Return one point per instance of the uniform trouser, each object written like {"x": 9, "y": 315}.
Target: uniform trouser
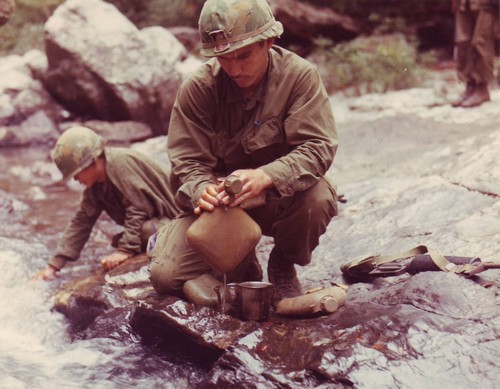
{"x": 150, "y": 227}
{"x": 295, "y": 223}
{"x": 475, "y": 34}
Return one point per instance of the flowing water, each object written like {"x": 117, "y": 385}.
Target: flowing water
{"x": 36, "y": 349}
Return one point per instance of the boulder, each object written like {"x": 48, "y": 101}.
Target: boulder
{"x": 304, "y": 22}
{"x": 188, "y": 36}
{"x": 28, "y": 113}
{"x": 101, "y": 66}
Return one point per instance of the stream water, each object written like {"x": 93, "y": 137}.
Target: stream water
{"x": 36, "y": 348}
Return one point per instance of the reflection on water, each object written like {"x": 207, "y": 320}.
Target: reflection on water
{"x": 35, "y": 348}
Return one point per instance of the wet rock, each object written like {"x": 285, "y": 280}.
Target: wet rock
{"x": 379, "y": 337}
{"x": 102, "y": 66}
{"x": 388, "y": 327}
{"x": 181, "y": 324}
{"x": 127, "y": 288}
{"x": 9, "y": 204}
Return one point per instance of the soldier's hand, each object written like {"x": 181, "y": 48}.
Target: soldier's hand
{"x": 255, "y": 182}
{"x": 114, "y": 259}
{"x": 46, "y": 274}
{"x": 208, "y": 199}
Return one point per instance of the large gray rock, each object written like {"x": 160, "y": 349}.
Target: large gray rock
{"x": 101, "y": 66}
{"x": 28, "y": 113}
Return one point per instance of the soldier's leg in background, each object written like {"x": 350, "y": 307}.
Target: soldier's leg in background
{"x": 482, "y": 58}
{"x": 483, "y": 44}
{"x": 464, "y": 29}
{"x": 151, "y": 227}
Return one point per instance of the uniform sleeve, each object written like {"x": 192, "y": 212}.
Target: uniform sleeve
{"x": 311, "y": 136}
{"x": 145, "y": 193}
{"x": 190, "y": 143}
{"x": 76, "y": 233}
{"x": 130, "y": 242}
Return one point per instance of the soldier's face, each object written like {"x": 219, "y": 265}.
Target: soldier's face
{"x": 248, "y": 65}
{"x": 90, "y": 175}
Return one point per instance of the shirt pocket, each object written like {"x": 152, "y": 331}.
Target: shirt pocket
{"x": 266, "y": 135}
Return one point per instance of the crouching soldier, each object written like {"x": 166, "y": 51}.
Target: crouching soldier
{"x": 132, "y": 188}
{"x": 261, "y": 113}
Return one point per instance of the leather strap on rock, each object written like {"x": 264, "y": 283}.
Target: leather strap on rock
{"x": 360, "y": 267}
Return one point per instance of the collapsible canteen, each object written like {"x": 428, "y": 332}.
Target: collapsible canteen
{"x": 316, "y": 302}
{"x": 251, "y": 299}
{"x": 226, "y": 235}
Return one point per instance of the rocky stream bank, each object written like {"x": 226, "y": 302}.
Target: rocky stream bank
{"x": 411, "y": 170}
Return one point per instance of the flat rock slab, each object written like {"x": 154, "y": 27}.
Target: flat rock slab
{"x": 390, "y": 330}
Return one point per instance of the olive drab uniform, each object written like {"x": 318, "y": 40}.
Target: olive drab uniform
{"x": 135, "y": 191}
{"x": 287, "y": 129}
{"x": 476, "y": 30}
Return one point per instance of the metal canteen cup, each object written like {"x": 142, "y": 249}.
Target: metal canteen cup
{"x": 251, "y": 299}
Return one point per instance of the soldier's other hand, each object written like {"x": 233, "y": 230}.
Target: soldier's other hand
{"x": 255, "y": 182}
{"x": 46, "y": 274}
{"x": 114, "y": 259}
{"x": 208, "y": 199}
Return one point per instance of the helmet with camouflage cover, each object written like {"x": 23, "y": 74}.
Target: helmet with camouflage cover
{"x": 228, "y": 25}
{"x": 76, "y": 149}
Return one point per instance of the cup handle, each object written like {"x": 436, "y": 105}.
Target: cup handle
{"x": 219, "y": 296}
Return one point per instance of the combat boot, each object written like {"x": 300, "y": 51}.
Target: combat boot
{"x": 253, "y": 271}
{"x": 469, "y": 88}
{"x": 478, "y": 96}
{"x": 285, "y": 281}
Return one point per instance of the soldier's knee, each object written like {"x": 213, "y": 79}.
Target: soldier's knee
{"x": 164, "y": 280}
{"x": 322, "y": 199}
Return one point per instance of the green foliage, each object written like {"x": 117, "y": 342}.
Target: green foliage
{"x": 389, "y": 16}
{"x": 385, "y": 7}
{"x": 24, "y": 31}
{"x": 368, "y": 64}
